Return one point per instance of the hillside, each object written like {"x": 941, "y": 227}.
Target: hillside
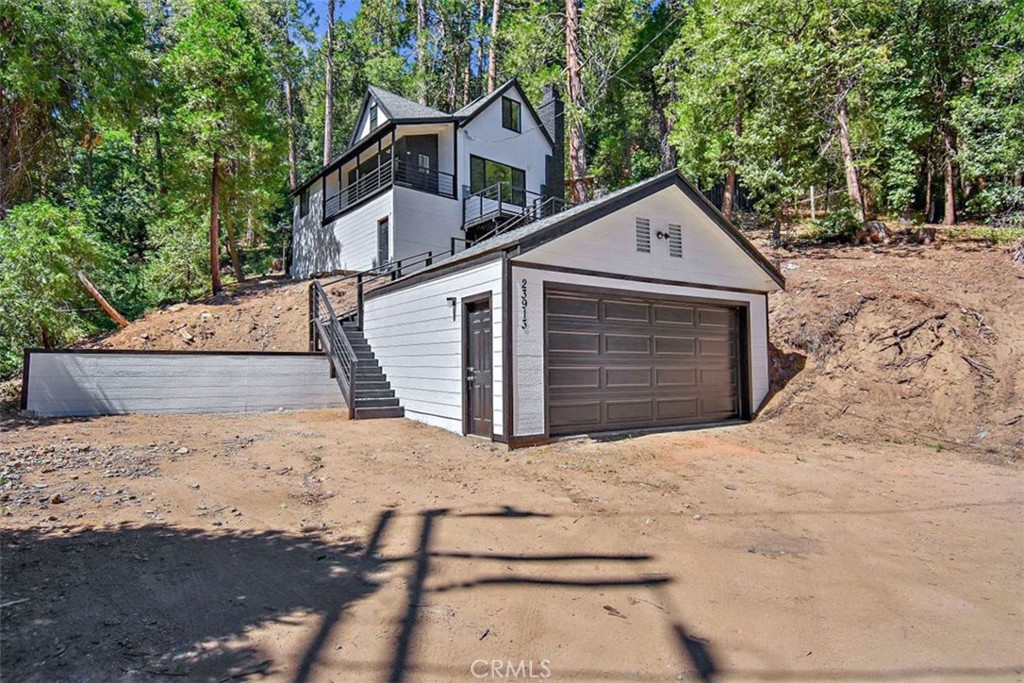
{"x": 899, "y": 343}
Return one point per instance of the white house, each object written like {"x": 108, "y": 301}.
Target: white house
{"x": 484, "y": 305}
{"x": 414, "y": 177}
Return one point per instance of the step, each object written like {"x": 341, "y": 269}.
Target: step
{"x": 372, "y": 384}
{"x": 381, "y": 402}
{"x": 362, "y": 393}
{"x": 373, "y": 413}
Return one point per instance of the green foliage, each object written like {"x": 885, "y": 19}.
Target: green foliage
{"x": 42, "y": 248}
{"x": 838, "y": 225}
{"x": 180, "y": 257}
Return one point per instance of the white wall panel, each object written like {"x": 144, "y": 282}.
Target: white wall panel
{"x": 608, "y": 245}
{"x": 419, "y": 345}
{"x": 111, "y": 383}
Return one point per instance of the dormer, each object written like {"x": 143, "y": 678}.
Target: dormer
{"x": 381, "y": 107}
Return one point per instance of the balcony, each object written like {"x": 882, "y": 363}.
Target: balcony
{"x": 390, "y": 173}
{"x": 501, "y": 201}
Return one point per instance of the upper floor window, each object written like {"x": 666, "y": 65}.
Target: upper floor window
{"x": 304, "y": 203}
{"x": 484, "y": 173}
{"x": 373, "y": 115}
{"x": 511, "y": 114}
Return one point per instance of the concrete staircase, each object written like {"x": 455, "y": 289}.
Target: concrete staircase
{"x": 374, "y": 396}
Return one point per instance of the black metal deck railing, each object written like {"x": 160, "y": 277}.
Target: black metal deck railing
{"x": 389, "y": 174}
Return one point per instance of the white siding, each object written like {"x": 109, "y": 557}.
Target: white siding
{"x": 608, "y": 245}
{"x": 419, "y": 345}
{"x": 99, "y": 383}
{"x": 364, "y": 123}
{"x": 349, "y": 243}
{"x": 485, "y": 137}
{"x": 424, "y": 222}
{"x": 528, "y": 408}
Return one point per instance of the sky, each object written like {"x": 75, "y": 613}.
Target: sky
{"x": 343, "y": 9}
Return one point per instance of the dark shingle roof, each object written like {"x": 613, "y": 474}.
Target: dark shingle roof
{"x": 398, "y": 107}
{"x": 592, "y": 210}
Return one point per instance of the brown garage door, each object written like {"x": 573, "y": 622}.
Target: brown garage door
{"x": 622, "y": 361}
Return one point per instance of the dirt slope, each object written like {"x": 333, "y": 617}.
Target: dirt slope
{"x": 266, "y": 315}
{"x": 901, "y": 343}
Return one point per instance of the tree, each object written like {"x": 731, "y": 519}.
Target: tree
{"x": 222, "y": 84}
{"x": 42, "y": 248}
{"x": 60, "y": 72}
{"x": 492, "y": 48}
{"x": 574, "y": 91}
{"x": 329, "y": 84}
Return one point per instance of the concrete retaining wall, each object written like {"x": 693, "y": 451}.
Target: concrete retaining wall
{"x": 100, "y": 382}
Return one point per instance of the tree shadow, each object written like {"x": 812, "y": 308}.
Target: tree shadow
{"x": 137, "y": 602}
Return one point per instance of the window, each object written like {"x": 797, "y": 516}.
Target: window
{"x": 511, "y": 114}
{"x": 373, "y": 115}
{"x": 643, "y": 235}
{"x": 675, "y": 241}
{"x": 484, "y": 173}
{"x": 304, "y": 203}
{"x": 383, "y": 246}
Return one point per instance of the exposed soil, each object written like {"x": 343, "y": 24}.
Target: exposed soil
{"x": 304, "y": 547}
{"x": 901, "y": 343}
{"x": 263, "y": 315}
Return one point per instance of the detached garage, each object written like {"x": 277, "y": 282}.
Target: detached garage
{"x": 621, "y": 361}
{"x": 643, "y": 309}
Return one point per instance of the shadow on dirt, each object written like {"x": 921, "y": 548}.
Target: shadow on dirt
{"x": 134, "y": 603}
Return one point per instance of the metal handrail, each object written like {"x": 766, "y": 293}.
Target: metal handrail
{"x": 343, "y": 358}
{"x": 496, "y": 193}
{"x": 391, "y": 172}
{"x": 534, "y": 212}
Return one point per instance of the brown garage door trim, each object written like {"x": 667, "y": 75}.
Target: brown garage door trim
{"x": 742, "y": 336}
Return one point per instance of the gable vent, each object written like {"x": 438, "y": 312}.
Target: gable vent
{"x": 643, "y": 235}
{"x": 675, "y": 241}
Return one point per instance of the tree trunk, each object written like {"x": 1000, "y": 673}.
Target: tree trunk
{"x": 293, "y": 174}
{"x": 928, "y": 201}
{"x": 467, "y": 75}
{"x": 45, "y": 333}
{"x": 949, "y": 138}
{"x": 729, "y": 195}
{"x": 158, "y": 146}
{"x": 101, "y": 300}
{"x": 236, "y": 263}
{"x": 250, "y": 217}
{"x": 215, "y": 224}
{"x": 421, "y": 49}
{"x": 329, "y": 85}
{"x": 480, "y": 44}
{"x": 577, "y": 151}
{"x": 853, "y": 190}
{"x": 492, "y": 47}
{"x": 660, "y": 104}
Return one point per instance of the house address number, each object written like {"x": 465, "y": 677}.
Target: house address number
{"x": 523, "y": 299}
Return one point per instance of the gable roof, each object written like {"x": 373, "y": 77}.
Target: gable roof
{"x": 469, "y": 112}
{"x": 547, "y": 229}
{"x": 398, "y": 109}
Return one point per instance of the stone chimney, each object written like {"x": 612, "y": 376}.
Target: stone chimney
{"x": 552, "y": 117}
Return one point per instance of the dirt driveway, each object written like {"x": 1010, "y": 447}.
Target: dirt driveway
{"x": 302, "y": 547}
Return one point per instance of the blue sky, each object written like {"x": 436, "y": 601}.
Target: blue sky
{"x": 343, "y": 9}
